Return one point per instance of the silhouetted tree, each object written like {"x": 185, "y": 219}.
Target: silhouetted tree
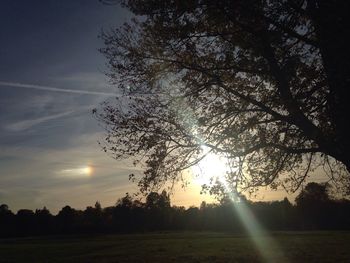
{"x": 125, "y": 201}
{"x": 313, "y": 193}
{"x": 92, "y": 218}
{"x": 314, "y": 210}
{"x": 157, "y": 201}
{"x": 192, "y": 218}
{"x": 123, "y": 214}
{"x": 314, "y": 205}
{"x": 5, "y": 211}
{"x": 264, "y": 83}
{"x": 25, "y": 219}
{"x": 98, "y": 206}
{"x": 7, "y": 224}
{"x": 69, "y": 220}
{"x": 158, "y": 206}
{"x": 43, "y": 220}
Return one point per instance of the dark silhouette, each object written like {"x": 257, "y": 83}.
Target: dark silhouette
{"x": 265, "y": 83}
{"x": 315, "y": 209}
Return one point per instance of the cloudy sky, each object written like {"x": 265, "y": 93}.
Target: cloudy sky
{"x": 51, "y": 77}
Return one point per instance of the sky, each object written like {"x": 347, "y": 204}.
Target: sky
{"x": 51, "y": 77}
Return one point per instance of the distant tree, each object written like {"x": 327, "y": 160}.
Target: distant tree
{"x": 98, "y": 206}
{"x": 288, "y": 214}
{"x": 123, "y": 213}
{"x": 126, "y": 201}
{"x": 4, "y": 210}
{"x": 313, "y": 193}
{"x": 43, "y": 219}
{"x": 25, "y": 213}
{"x": 203, "y": 205}
{"x": 7, "y": 223}
{"x": 314, "y": 204}
{"x": 92, "y": 218}
{"x": 192, "y": 218}
{"x": 264, "y": 83}
{"x": 25, "y": 219}
{"x": 42, "y": 212}
{"x": 66, "y": 212}
{"x": 157, "y": 201}
{"x": 69, "y": 220}
{"x": 314, "y": 210}
{"x": 158, "y": 210}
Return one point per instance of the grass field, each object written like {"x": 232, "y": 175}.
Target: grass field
{"x": 180, "y": 247}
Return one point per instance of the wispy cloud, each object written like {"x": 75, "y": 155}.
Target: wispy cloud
{"x": 27, "y": 124}
{"x": 54, "y": 89}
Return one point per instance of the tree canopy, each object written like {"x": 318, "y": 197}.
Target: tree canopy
{"x": 263, "y": 83}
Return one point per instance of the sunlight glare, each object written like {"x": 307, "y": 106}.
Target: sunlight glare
{"x": 217, "y": 167}
{"x": 211, "y": 166}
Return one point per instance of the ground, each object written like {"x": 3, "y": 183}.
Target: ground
{"x": 181, "y": 247}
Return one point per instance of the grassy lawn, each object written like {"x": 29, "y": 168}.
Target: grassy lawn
{"x": 180, "y": 247}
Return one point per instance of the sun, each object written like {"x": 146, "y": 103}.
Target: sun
{"x": 211, "y": 166}
{"x": 87, "y": 170}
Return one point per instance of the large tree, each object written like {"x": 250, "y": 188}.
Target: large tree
{"x": 263, "y": 83}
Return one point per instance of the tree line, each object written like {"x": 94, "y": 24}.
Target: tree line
{"x": 314, "y": 209}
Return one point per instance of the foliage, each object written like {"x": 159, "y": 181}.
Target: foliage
{"x": 262, "y": 83}
{"x": 313, "y": 193}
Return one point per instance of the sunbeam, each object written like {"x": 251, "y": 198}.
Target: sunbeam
{"x": 263, "y": 241}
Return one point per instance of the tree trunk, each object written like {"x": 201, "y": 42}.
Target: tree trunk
{"x": 332, "y": 22}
